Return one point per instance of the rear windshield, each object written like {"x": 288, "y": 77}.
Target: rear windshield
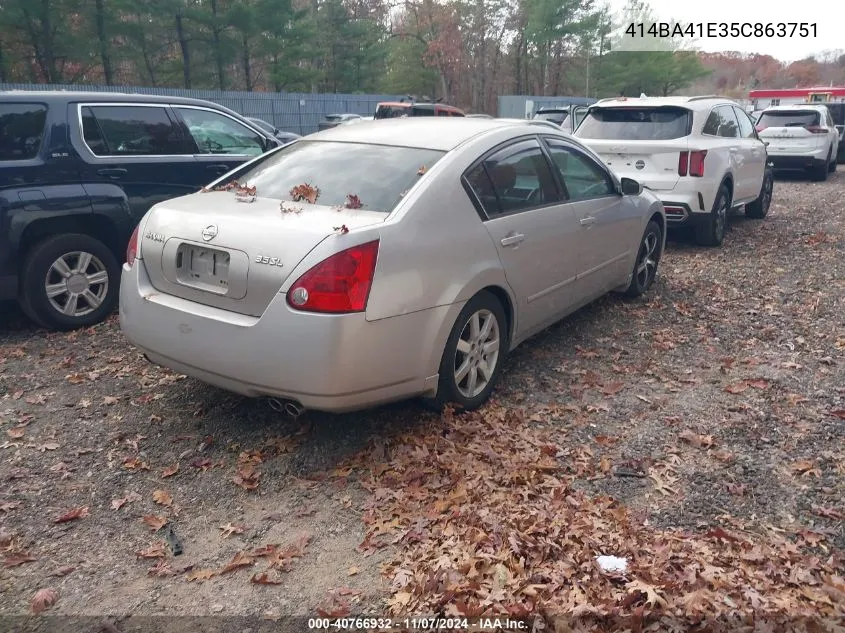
{"x": 21, "y": 130}
{"x": 391, "y": 112}
{"x": 636, "y": 124}
{"x": 379, "y": 175}
{"x": 788, "y": 118}
{"x": 554, "y": 117}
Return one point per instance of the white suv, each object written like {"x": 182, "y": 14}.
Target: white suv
{"x": 801, "y": 136}
{"x": 700, "y": 155}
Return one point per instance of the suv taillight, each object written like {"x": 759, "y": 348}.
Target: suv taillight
{"x": 692, "y": 163}
{"x": 132, "y": 248}
{"x": 338, "y": 284}
{"x": 815, "y": 129}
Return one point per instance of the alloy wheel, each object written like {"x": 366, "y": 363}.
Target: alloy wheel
{"x": 76, "y": 283}
{"x": 477, "y": 353}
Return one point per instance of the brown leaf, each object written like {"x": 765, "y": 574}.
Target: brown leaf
{"x": 353, "y": 201}
{"x": 839, "y": 413}
{"x": 305, "y": 193}
{"x": 43, "y": 600}
{"x": 16, "y": 432}
{"x": 13, "y": 560}
{"x": 342, "y": 229}
{"x": 241, "y": 559}
{"x": 737, "y": 387}
{"x": 758, "y": 383}
{"x": 827, "y": 513}
{"x": 353, "y": 571}
{"x": 110, "y": 400}
{"x": 652, "y": 597}
{"x": 201, "y": 575}
{"x": 156, "y": 550}
{"x": 422, "y": 170}
{"x": 247, "y": 477}
{"x": 63, "y": 571}
{"x": 230, "y": 529}
{"x": 117, "y": 504}
{"x": 170, "y": 471}
{"x": 154, "y": 522}
{"x": 612, "y": 388}
{"x": 162, "y": 498}
{"x": 72, "y": 515}
{"x": 699, "y": 441}
{"x": 265, "y": 578}
{"x": 75, "y": 379}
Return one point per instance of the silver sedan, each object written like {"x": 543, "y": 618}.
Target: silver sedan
{"x": 381, "y": 261}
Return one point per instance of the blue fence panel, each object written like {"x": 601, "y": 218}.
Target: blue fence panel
{"x": 291, "y": 111}
{"x": 514, "y": 106}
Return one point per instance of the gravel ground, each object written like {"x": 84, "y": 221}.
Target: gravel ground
{"x": 717, "y": 399}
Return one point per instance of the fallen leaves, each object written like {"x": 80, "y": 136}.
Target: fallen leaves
{"x": 305, "y": 193}
{"x": 241, "y": 559}
{"x": 43, "y": 600}
{"x": 72, "y": 515}
{"x": 13, "y": 560}
{"x": 353, "y": 201}
{"x": 16, "y": 432}
{"x": 342, "y": 229}
{"x": 117, "y": 504}
{"x": 156, "y": 550}
{"x": 230, "y": 529}
{"x": 200, "y": 575}
{"x": 741, "y": 387}
{"x": 162, "y": 498}
{"x": 170, "y": 471}
{"x": 805, "y": 468}
{"x": 266, "y": 578}
{"x": 699, "y": 441}
{"x": 154, "y": 522}
{"x": 247, "y": 477}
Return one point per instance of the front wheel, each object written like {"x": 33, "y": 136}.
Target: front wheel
{"x": 474, "y": 353}
{"x": 648, "y": 258}
{"x": 70, "y": 281}
{"x": 822, "y": 169}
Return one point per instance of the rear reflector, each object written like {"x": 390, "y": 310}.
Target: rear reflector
{"x": 674, "y": 210}
{"x": 683, "y": 163}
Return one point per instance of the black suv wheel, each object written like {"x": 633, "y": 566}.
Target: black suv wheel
{"x": 69, "y": 281}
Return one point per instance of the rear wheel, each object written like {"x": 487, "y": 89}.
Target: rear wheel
{"x": 648, "y": 258}
{"x": 474, "y": 353}
{"x": 832, "y": 164}
{"x": 821, "y": 170}
{"x": 711, "y": 231}
{"x": 760, "y": 207}
{"x": 69, "y": 281}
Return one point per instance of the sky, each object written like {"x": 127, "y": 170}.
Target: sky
{"x": 829, "y": 16}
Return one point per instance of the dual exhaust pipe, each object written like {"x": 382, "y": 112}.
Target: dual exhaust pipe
{"x": 289, "y": 407}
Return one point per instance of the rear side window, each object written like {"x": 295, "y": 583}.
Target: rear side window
{"x": 721, "y": 122}
{"x": 516, "y": 178}
{"x": 581, "y": 176}
{"x": 788, "y": 118}
{"x": 636, "y": 124}
{"x": 377, "y": 175}
{"x": 746, "y": 127}
{"x": 554, "y": 117}
{"x": 130, "y": 131}
{"x": 21, "y": 130}
{"x": 390, "y": 112}
{"x": 215, "y": 133}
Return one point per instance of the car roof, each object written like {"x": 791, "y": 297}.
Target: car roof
{"x": 90, "y": 95}
{"x": 795, "y": 106}
{"x": 703, "y": 102}
{"x": 442, "y": 134}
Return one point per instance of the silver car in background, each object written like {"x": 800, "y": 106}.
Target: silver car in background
{"x": 386, "y": 260}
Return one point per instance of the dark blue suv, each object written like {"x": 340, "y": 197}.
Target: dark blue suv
{"x": 78, "y": 170}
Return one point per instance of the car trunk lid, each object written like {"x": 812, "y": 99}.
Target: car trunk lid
{"x": 215, "y": 250}
{"x": 654, "y": 164}
{"x": 792, "y": 131}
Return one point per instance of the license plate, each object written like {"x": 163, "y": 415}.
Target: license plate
{"x": 203, "y": 266}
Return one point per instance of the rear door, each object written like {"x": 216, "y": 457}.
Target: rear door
{"x": 138, "y": 147}
{"x": 723, "y": 124}
{"x": 535, "y": 232}
{"x": 219, "y": 142}
{"x": 639, "y": 142}
{"x": 753, "y": 150}
{"x": 609, "y": 226}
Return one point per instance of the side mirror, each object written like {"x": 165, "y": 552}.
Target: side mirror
{"x": 766, "y": 143}
{"x": 631, "y": 187}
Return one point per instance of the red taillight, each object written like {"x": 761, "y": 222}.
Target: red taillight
{"x": 132, "y": 248}
{"x": 338, "y": 284}
{"x": 696, "y": 163}
{"x": 692, "y": 163}
{"x": 815, "y": 129}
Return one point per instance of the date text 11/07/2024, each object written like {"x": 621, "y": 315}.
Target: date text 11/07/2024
{"x": 722, "y": 29}
{"x": 479, "y": 625}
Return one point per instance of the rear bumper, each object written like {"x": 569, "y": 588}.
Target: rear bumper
{"x": 684, "y": 209}
{"x": 334, "y": 363}
{"x": 798, "y": 161}
{"x": 8, "y": 287}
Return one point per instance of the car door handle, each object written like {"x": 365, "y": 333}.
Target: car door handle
{"x": 219, "y": 168}
{"x": 588, "y": 221}
{"x": 513, "y": 239}
{"x": 112, "y": 172}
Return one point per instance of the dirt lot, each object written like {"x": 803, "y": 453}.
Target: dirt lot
{"x": 698, "y": 432}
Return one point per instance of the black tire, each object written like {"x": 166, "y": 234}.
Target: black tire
{"x": 651, "y": 246}
{"x": 103, "y": 269}
{"x": 831, "y": 168}
{"x": 821, "y": 170}
{"x": 449, "y": 390}
{"x": 759, "y": 209}
{"x": 711, "y": 231}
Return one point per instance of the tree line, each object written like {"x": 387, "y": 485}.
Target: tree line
{"x": 466, "y": 52}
